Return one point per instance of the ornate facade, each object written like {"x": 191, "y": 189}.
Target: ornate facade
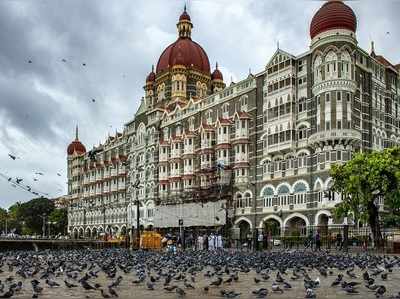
{"x": 255, "y": 151}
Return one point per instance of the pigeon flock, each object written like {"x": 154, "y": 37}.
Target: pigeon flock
{"x": 111, "y": 273}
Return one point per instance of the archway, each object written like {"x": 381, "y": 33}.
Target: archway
{"x": 123, "y": 231}
{"x": 94, "y": 233}
{"x": 296, "y": 226}
{"x": 75, "y": 233}
{"x": 87, "y": 232}
{"x": 272, "y": 227}
{"x": 244, "y": 230}
{"x": 80, "y": 233}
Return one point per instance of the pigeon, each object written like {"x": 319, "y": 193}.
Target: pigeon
{"x": 180, "y": 292}
{"x": 12, "y": 156}
{"x": 276, "y": 288}
{"x": 150, "y": 286}
{"x": 112, "y": 292}
{"x": 104, "y": 294}
{"x": 29, "y": 61}
{"x": 310, "y": 294}
{"x": 256, "y": 280}
{"x": 380, "y": 291}
{"x": 170, "y": 288}
{"x": 69, "y": 285}
{"x": 384, "y": 276}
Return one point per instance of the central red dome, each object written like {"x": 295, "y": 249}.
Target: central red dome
{"x": 184, "y": 52}
{"x": 334, "y": 14}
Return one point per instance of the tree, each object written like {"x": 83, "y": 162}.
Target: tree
{"x": 30, "y": 212}
{"x": 364, "y": 180}
{"x": 60, "y": 218}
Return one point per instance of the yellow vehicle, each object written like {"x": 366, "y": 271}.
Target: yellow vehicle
{"x": 150, "y": 240}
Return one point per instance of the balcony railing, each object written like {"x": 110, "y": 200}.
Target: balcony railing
{"x": 343, "y": 134}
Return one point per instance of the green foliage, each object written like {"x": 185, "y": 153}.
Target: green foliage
{"x": 28, "y": 214}
{"x": 364, "y": 179}
{"x": 60, "y": 219}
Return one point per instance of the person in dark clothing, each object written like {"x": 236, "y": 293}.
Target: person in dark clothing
{"x": 339, "y": 241}
{"x": 317, "y": 241}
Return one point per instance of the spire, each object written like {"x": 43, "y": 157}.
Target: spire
{"x": 216, "y": 65}
{"x": 152, "y": 68}
{"x": 76, "y": 133}
{"x": 372, "y": 48}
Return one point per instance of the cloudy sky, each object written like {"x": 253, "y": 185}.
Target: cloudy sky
{"x": 41, "y": 102}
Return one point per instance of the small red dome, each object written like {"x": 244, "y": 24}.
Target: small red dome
{"x": 184, "y": 52}
{"x": 76, "y": 146}
{"x": 184, "y": 16}
{"x": 217, "y": 75}
{"x": 334, "y": 14}
{"x": 152, "y": 76}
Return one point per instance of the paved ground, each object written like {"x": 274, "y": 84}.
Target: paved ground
{"x": 245, "y": 285}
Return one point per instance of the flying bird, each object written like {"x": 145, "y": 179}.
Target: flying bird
{"x": 63, "y": 60}
{"x": 39, "y": 173}
{"x": 12, "y": 156}
{"x": 83, "y": 64}
{"x": 58, "y": 174}
{"x": 93, "y": 100}
{"x": 29, "y": 61}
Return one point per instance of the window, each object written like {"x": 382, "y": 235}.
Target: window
{"x": 327, "y": 97}
{"x": 339, "y": 96}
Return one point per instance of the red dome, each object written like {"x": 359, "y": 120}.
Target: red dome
{"x": 184, "y": 52}
{"x": 184, "y": 16}
{"x": 76, "y": 146}
{"x": 334, "y": 14}
{"x": 152, "y": 76}
{"x": 217, "y": 75}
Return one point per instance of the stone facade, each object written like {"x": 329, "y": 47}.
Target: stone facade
{"x": 255, "y": 151}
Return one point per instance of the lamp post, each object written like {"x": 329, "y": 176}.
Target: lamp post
{"x": 136, "y": 187}
{"x": 43, "y": 216}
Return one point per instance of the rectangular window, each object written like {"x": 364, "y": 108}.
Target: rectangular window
{"x": 339, "y": 96}
{"x": 327, "y": 97}
{"x": 339, "y": 124}
{"x": 328, "y": 125}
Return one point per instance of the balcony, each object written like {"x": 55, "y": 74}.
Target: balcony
{"x": 339, "y": 135}
{"x": 206, "y": 143}
{"x": 242, "y": 133}
{"x": 176, "y": 153}
{"x": 176, "y": 172}
{"x": 121, "y": 170}
{"x": 188, "y": 149}
{"x": 279, "y": 147}
{"x": 188, "y": 170}
{"x": 223, "y": 138}
{"x": 241, "y": 158}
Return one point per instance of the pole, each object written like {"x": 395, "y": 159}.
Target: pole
{"x": 137, "y": 223}
{"x": 44, "y": 225}
{"x": 6, "y": 225}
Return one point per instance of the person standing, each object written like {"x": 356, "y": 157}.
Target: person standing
{"x": 219, "y": 242}
{"x": 211, "y": 242}
{"x": 200, "y": 242}
{"x": 260, "y": 241}
{"x": 317, "y": 241}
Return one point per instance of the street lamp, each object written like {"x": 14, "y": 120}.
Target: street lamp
{"x": 136, "y": 185}
{"x": 43, "y": 216}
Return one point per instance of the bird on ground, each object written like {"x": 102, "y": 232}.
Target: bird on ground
{"x": 256, "y": 280}
{"x": 69, "y": 285}
{"x": 180, "y": 292}
{"x": 104, "y": 294}
{"x": 380, "y": 291}
{"x": 51, "y": 283}
{"x": 112, "y": 292}
{"x": 310, "y": 294}
{"x": 276, "y": 288}
{"x": 170, "y": 288}
{"x": 384, "y": 276}
{"x": 150, "y": 286}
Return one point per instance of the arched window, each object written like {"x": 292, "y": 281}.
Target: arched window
{"x": 331, "y": 65}
{"x": 239, "y": 201}
{"x": 318, "y": 191}
{"x": 283, "y": 195}
{"x": 247, "y": 200}
{"x": 300, "y": 191}
{"x": 268, "y": 196}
